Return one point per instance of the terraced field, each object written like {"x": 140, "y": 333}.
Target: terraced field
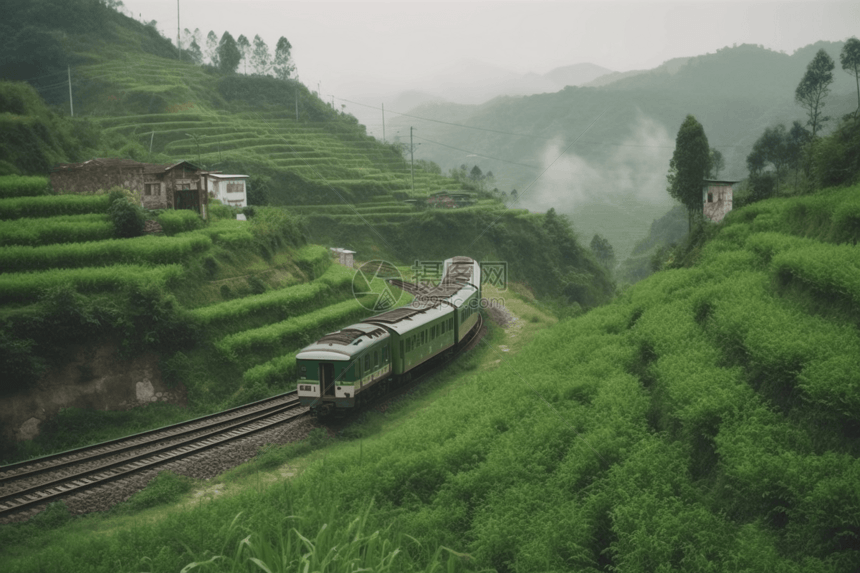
{"x": 177, "y": 111}
{"x": 250, "y": 298}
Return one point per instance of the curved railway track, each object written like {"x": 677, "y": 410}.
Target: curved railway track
{"x": 29, "y": 484}
{"x": 25, "y": 485}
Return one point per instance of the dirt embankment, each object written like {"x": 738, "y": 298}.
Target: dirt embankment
{"x": 96, "y": 378}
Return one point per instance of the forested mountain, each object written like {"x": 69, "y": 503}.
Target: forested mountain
{"x": 600, "y": 154}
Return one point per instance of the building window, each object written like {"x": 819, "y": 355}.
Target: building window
{"x": 152, "y": 189}
{"x": 183, "y": 186}
{"x": 710, "y": 197}
{"x": 235, "y": 187}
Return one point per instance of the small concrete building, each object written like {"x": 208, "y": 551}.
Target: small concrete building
{"x": 343, "y": 256}
{"x": 717, "y": 199}
{"x": 175, "y": 186}
{"x": 229, "y": 189}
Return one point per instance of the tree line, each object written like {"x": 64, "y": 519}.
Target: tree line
{"x": 229, "y": 54}
{"x": 800, "y": 148}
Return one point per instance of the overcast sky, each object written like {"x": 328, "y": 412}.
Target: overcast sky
{"x": 354, "y": 48}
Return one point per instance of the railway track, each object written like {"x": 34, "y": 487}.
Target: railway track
{"x": 26, "y": 485}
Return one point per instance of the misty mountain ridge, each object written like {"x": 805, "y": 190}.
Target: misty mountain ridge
{"x": 600, "y": 154}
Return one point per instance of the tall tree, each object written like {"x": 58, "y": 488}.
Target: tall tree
{"x": 212, "y": 48}
{"x": 245, "y": 49}
{"x": 798, "y": 137}
{"x": 688, "y": 166}
{"x": 850, "y": 60}
{"x": 717, "y": 164}
{"x": 260, "y": 59}
{"x": 771, "y": 148}
{"x": 283, "y": 64}
{"x": 603, "y": 251}
{"x": 813, "y": 88}
{"x": 195, "y": 55}
{"x": 229, "y": 55}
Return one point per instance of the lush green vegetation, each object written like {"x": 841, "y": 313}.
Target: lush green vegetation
{"x": 56, "y": 230}
{"x": 706, "y": 419}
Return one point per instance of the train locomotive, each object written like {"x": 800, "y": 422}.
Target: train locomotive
{"x": 344, "y": 369}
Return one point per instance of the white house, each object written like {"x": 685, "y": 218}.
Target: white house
{"x": 344, "y": 256}
{"x": 229, "y": 189}
{"x": 716, "y": 198}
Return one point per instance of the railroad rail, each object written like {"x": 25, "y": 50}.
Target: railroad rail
{"x": 26, "y": 484}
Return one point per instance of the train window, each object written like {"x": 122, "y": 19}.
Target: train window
{"x": 384, "y": 353}
{"x": 375, "y": 358}
{"x": 423, "y": 337}
{"x": 367, "y": 362}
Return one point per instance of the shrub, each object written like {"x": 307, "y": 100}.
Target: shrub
{"x": 128, "y": 219}
{"x": 313, "y": 260}
{"x": 178, "y": 221}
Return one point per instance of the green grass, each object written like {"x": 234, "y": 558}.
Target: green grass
{"x": 53, "y": 205}
{"x": 139, "y": 250}
{"x": 23, "y": 186}
{"x": 21, "y": 287}
{"x": 52, "y": 230}
{"x": 245, "y": 347}
{"x": 279, "y": 303}
{"x": 702, "y": 421}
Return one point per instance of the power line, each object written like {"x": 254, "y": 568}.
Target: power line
{"x": 479, "y": 154}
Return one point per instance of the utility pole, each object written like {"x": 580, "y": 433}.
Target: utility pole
{"x": 178, "y": 41}
{"x": 383, "y": 123}
{"x": 71, "y": 105}
{"x": 412, "y": 154}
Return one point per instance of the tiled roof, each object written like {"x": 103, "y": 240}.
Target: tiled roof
{"x": 102, "y": 162}
{"x": 99, "y": 162}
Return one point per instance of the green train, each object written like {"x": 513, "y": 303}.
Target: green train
{"x": 343, "y": 369}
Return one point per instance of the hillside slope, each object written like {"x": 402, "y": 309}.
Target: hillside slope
{"x": 601, "y": 154}
{"x": 706, "y": 420}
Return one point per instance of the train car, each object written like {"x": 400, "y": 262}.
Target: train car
{"x": 336, "y": 368}
{"x": 466, "y": 274}
{"x": 419, "y": 332}
{"x": 345, "y": 368}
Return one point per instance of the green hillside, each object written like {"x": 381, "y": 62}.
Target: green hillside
{"x": 225, "y": 305}
{"x": 600, "y": 154}
{"x": 706, "y": 420}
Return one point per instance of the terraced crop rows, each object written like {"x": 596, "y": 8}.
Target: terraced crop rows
{"x": 328, "y": 152}
{"x": 55, "y": 251}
